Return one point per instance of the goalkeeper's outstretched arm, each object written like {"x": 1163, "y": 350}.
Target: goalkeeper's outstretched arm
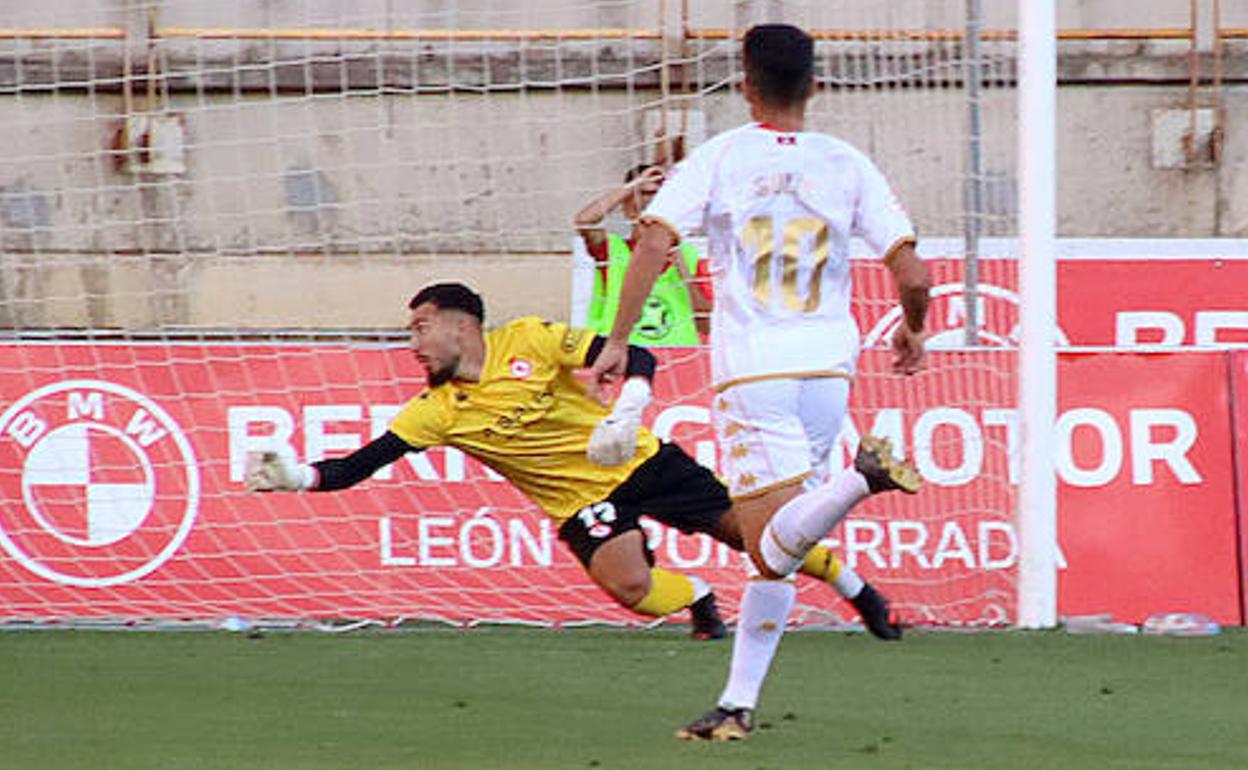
{"x": 343, "y": 472}
{"x": 614, "y": 440}
{"x": 271, "y": 471}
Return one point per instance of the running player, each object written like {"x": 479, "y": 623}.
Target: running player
{"x": 779, "y": 206}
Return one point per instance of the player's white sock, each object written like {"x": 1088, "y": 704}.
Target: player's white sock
{"x": 702, "y": 588}
{"x": 847, "y": 582}
{"x": 807, "y": 519}
{"x": 765, "y": 607}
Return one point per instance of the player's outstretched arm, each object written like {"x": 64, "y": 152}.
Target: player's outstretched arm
{"x": 696, "y": 285}
{"x": 649, "y": 260}
{"x": 275, "y": 472}
{"x": 638, "y": 362}
{"x": 914, "y": 282}
{"x": 599, "y": 207}
{"x": 588, "y": 220}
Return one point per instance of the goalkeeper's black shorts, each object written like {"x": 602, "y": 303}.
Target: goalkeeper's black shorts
{"x": 670, "y": 487}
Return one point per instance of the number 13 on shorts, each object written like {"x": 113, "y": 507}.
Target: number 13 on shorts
{"x": 597, "y": 519}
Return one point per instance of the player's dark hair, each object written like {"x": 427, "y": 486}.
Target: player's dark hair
{"x": 636, "y": 171}
{"x": 779, "y": 63}
{"x": 450, "y": 296}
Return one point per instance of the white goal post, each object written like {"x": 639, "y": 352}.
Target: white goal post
{"x": 1037, "y": 400}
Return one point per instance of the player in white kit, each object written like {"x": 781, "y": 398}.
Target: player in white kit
{"x": 779, "y": 206}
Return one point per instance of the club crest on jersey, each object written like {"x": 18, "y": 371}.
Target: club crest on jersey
{"x": 104, "y": 486}
{"x": 520, "y": 368}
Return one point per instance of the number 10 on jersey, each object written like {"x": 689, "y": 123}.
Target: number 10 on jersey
{"x": 759, "y": 238}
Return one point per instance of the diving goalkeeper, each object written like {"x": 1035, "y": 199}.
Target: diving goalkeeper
{"x": 510, "y": 399}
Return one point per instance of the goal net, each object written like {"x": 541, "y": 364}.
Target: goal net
{"x": 212, "y": 216}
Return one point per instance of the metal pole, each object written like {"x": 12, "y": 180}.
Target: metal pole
{"x": 1219, "y": 113}
{"x": 1037, "y": 403}
{"x": 973, "y": 189}
{"x": 665, "y": 82}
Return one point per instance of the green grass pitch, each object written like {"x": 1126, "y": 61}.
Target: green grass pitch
{"x": 511, "y": 698}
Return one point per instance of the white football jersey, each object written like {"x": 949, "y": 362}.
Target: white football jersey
{"x": 779, "y": 210}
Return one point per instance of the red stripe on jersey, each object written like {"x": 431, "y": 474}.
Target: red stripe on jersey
{"x": 786, "y": 137}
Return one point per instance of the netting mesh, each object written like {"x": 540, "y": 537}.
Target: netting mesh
{"x": 212, "y": 215}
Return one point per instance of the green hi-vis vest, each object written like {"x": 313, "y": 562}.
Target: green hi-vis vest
{"x": 666, "y": 318}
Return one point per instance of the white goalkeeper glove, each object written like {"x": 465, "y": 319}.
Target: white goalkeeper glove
{"x": 275, "y": 472}
{"x": 614, "y": 440}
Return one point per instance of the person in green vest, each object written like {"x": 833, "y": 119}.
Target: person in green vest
{"x": 676, "y": 311}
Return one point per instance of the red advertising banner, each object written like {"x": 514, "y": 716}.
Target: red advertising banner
{"x": 1169, "y": 302}
{"x": 121, "y": 494}
{"x": 1147, "y": 518}
{"x": 1124, "y": 301}
{"x": 121, "y": 486}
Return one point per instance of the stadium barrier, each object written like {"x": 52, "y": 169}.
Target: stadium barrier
{"x": 121, "y": 468}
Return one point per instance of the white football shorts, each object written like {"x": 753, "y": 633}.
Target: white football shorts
{"x": 776, "y": 432}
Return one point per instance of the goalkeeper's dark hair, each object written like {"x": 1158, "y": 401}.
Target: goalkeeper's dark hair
{"x": 450, "y": 296}
{"x": 779, "y": 63}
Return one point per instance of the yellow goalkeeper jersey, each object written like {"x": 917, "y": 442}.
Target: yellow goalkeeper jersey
{"x": 528, "y": 417}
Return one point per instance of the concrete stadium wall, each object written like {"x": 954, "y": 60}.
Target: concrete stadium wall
{"x": 305, "y": 208}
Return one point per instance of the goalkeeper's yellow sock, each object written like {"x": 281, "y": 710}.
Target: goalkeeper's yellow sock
{"x": 669, "y": 592}
{"x": 821, "y": 564}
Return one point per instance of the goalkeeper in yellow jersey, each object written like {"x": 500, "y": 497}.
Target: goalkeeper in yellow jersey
{"x": 510, "y": 399}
